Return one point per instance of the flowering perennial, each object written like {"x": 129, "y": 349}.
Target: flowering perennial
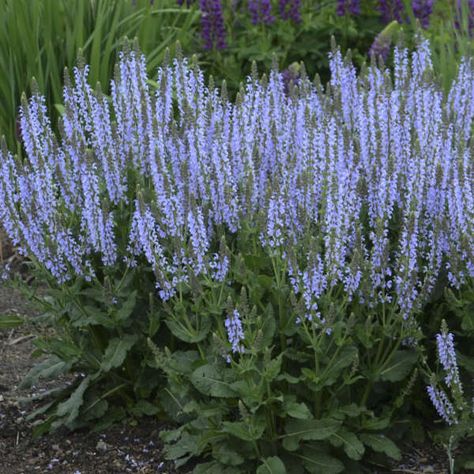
{"x": 235, "y": 332}
{"x": 443, "y": 406}
{"x": 261, "y": 11}
{"x": 212, "y": 24}
{"x": 447, "y": 357}
{"x": 351, "y": 7}
{"x": 367, "y": 186}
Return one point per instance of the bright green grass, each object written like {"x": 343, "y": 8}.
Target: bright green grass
{"x": 38, "y": 38}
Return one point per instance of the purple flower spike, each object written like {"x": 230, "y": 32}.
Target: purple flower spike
{"x": 235, "y": 332}
{"x": 290, "y": 10}
{"x": 422, "y": 10}
{"x": 443, "y": 406}
{"x": 351, "y": 7}
{"x": 391, "y": 10}
{"x": 261, "y": 11}
{"x": 447, "y": 357}
{"x": 381, "y": 46}
{"x": 212, "y": 24}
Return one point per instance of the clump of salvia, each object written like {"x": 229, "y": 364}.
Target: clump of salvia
{"x": 252, "y": 269}
{"x": 325, "y": 173}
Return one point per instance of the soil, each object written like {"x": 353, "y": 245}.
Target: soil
{"x": 121, "y": 449}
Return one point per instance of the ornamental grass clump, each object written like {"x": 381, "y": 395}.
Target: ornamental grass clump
{"x": 255, "y": 270}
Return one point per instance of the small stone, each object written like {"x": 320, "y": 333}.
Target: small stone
{"x": 101, "y": 446}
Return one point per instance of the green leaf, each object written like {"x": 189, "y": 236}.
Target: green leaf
{"x": 223, "y": 453}
{"x": 113, "y": 415}
{"x": 143, "y": 407}
{"x": 381, "y": 444}
{"x": 186, "y": 447}
{"x": 466, "y": 362}
{"x": 399, "y": 367}
{"x": 117, "y": 351}
{"x": 272, "y": 368}
{"x": 8, "y": 321}
{"x": 126, "y": 309}
{"x": 183, "y": 362}
{"x": 50, "y": 368}
{"x": 298, "y": 410}
{"x": 291, "y": 444}
{"x": 211, "y": 381}
{"x": 344, "y": 359}
{"x": 71, "y": 406}
{"x": 288, "y": 378}
{"x": 60, "y": 108}
{"x": 350, "y": 411}
{"x": 90, "y": 315}
{"x": 272, "y": 465}
{"x": 190, "y": 335}
{"x": 43, "y": 427}
{"x": 317, "y": 461}
{"x": 375, "y": 424}
{"x": 245, "y": 431}
{"x": 96, "y": 410}
{"x": 352, "y": 445}
{"x": 312, "y": 430}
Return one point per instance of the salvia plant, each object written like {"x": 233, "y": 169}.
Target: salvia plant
{"x": 254, "y": 271}
{"x": 449, "y": 398}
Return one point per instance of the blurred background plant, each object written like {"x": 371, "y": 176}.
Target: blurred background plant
{"x": 38, "y": 39}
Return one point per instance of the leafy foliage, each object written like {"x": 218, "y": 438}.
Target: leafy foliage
{"x": 265, "y": 288}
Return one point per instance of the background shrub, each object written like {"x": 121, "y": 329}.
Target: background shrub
{"x": 38, "y": 39}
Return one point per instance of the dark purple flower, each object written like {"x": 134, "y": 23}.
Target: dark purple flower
{"x": 261, "y": 11}
{"x": 381, "y": 46}
{"x": 212, "y": 24}
{"x": 290, "y": 75}
{"x": 351, "y": 7}
{"x": 290, "y": 10}
{"x": 422, "y": 9}
{"x": 391, "y": 10}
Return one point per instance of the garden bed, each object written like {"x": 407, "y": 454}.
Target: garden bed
{"x": 120, "y": 449}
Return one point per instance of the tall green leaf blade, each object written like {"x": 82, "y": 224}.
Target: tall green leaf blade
{"x": 117, "y": 351}
{"x": 8, "y": 321}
